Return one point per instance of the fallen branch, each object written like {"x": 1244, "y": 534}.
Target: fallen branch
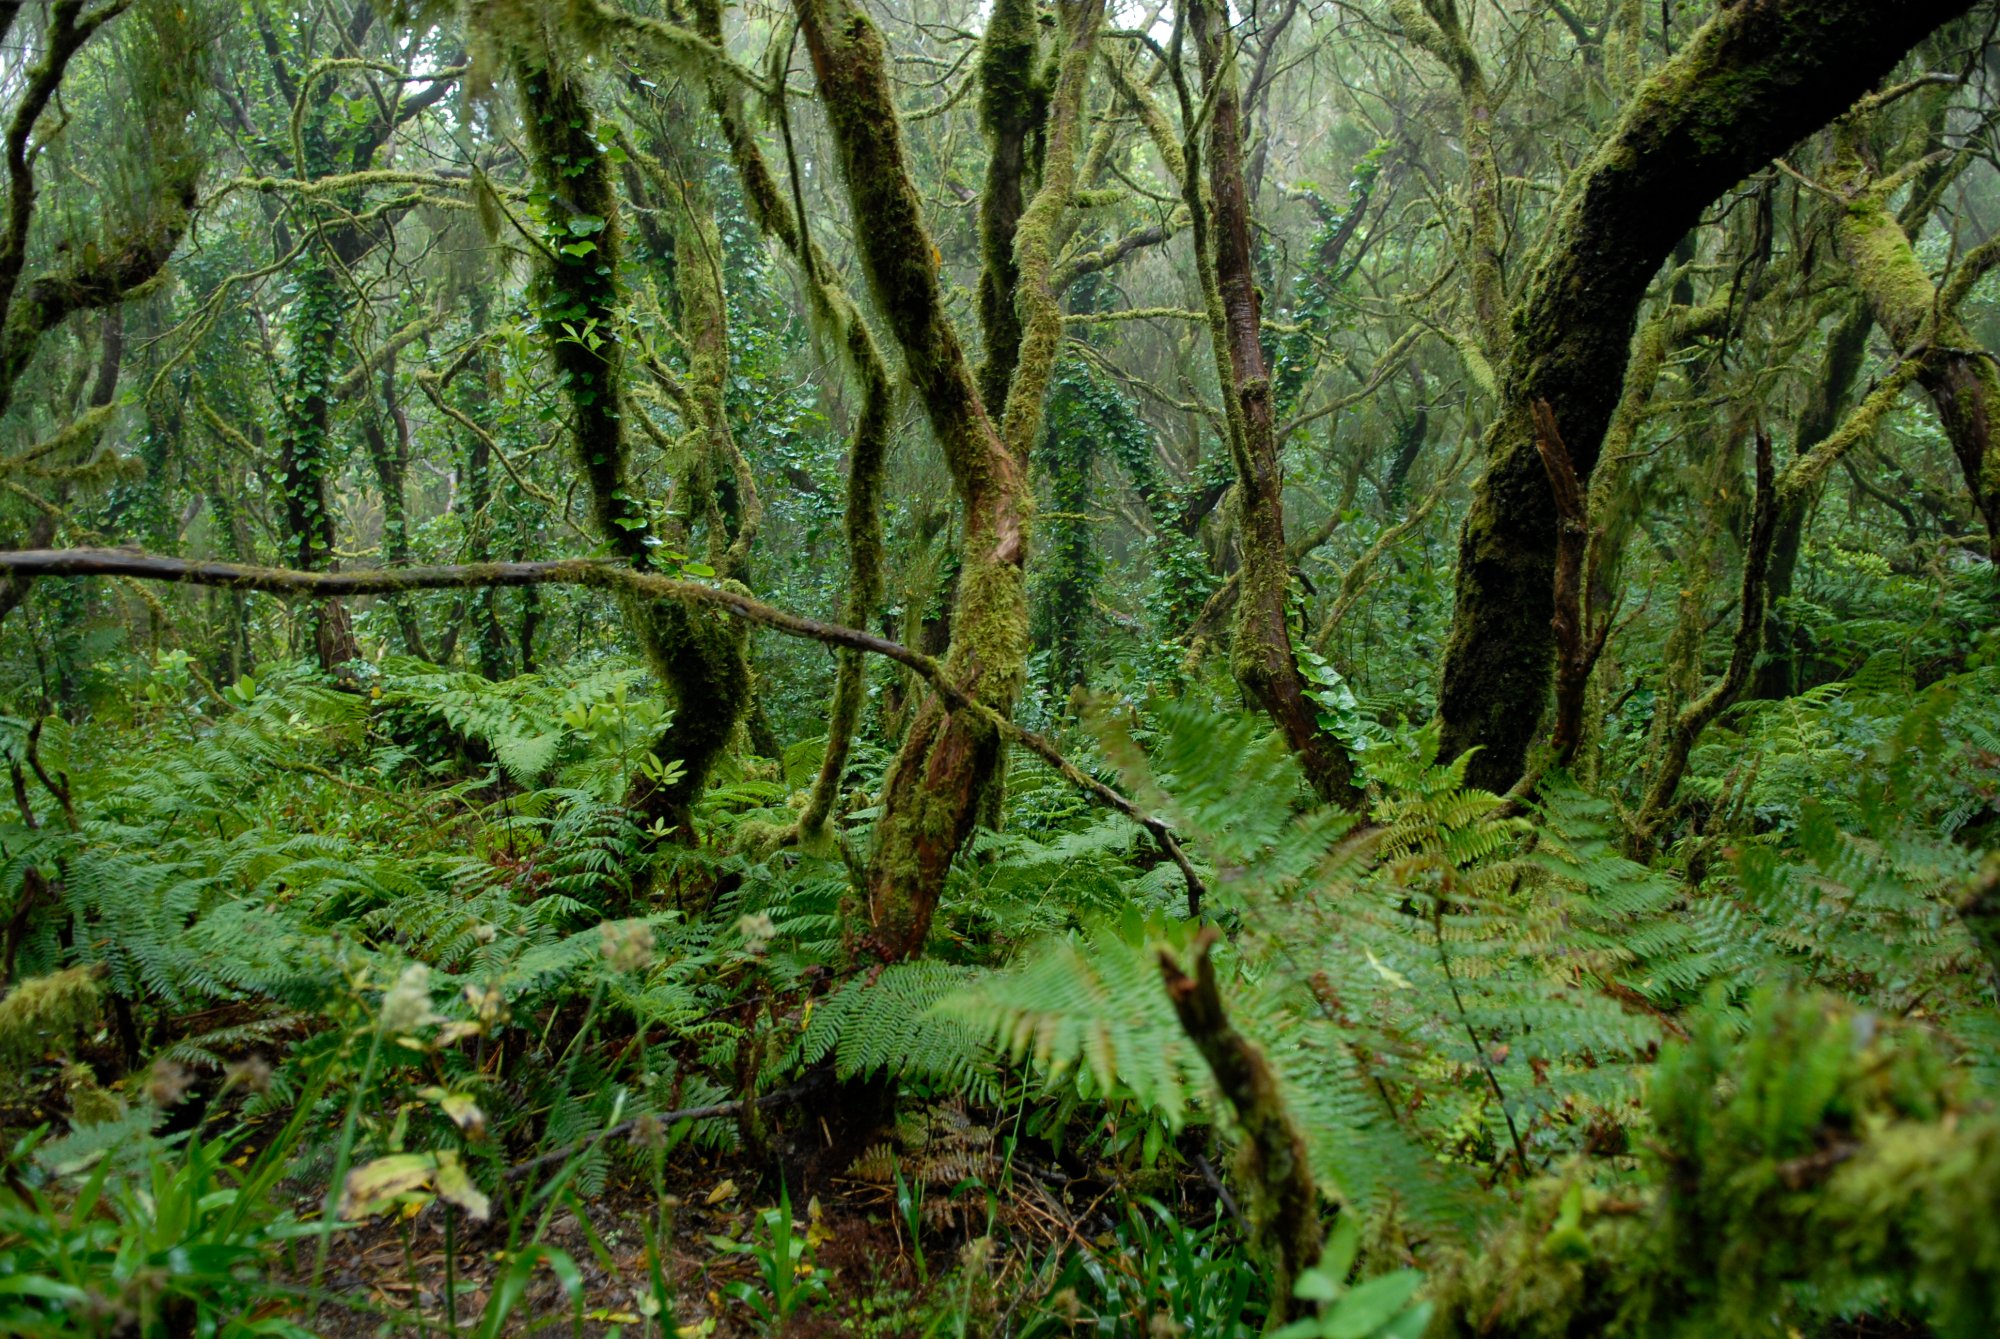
{"x": 599, "y": 575}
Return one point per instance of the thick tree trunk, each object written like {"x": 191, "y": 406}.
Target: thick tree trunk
{"x": 1756, "y": 78}
{"x": 1261, "y": 656}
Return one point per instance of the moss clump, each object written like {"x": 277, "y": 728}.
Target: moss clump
{"x": 47, "y": 1012}
{"x": 1817, "y": 1159}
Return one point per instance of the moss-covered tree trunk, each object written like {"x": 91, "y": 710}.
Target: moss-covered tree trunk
{"x": 340, "y": 232}
{"x": 478, "y": 389}
{"x": 389, "y": 452}
{"x": 1757, "y": 77}
{"x": 1012, "y": 108}
{"x": 1437, "y": 26}
{"x": 1261, "y": 656}
{"x": 1956, "y": 373}
{"x": 1779, "y": 669}
{"x": 947, "y": 762}
{"x": 868, "y": 444}
{"x": 702, "y": 660}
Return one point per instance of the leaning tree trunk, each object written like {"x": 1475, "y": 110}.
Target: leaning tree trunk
{"x": 1261, "y": 655}
{"x": 1756, "y": 78}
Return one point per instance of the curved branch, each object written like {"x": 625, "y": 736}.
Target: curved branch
{"x": 598, "y": 575}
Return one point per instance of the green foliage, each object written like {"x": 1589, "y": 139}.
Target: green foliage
{"x": 1383, "y": 1307}
{"x": 792, "y": 1280}
{"x": 177, "y": 1245}
{"x": 1801, "y": 1163}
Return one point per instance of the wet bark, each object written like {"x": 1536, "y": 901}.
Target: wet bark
{"x": 1273, "y": 1160}
{"x": 1261, "y": 657}
{"x": 1755, "y": 78}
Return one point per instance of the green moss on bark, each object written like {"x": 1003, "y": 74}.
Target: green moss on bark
{"x": 1955, "y": 373}
{"x": 1755, "y": 79}
{"x": 700, "y": 657}
{"x": 946, "y": 763}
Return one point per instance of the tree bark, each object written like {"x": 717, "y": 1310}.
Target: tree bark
{"x": 1284, "y": 1200}
{"x": 1778, "y": 671}
{"x": 1955, "y": 372}
{"x": 948, "y": 760}
{"x": 703, "y": 661}
{"x": 1261, "y": 655}
{"x": 1756, "y": 78}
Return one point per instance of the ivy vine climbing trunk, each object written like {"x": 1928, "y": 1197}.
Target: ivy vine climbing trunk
{"x": 703, "y": 660}
{"x": 305, "y": 456}
{"x": 338, "y": 232}
{"x": 479, "y": 388}
{"x": 1261, "y": 656}
{"x": 1755, "y": 78}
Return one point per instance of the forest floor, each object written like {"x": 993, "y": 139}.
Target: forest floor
{"x": 390, "y": 1276}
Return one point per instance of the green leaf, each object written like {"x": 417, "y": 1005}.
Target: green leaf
{"x": 1371, "y": 1306}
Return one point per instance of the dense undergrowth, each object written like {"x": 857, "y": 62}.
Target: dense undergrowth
{"x": 562, "y": 940}
{"x": 343, "y": 1003}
